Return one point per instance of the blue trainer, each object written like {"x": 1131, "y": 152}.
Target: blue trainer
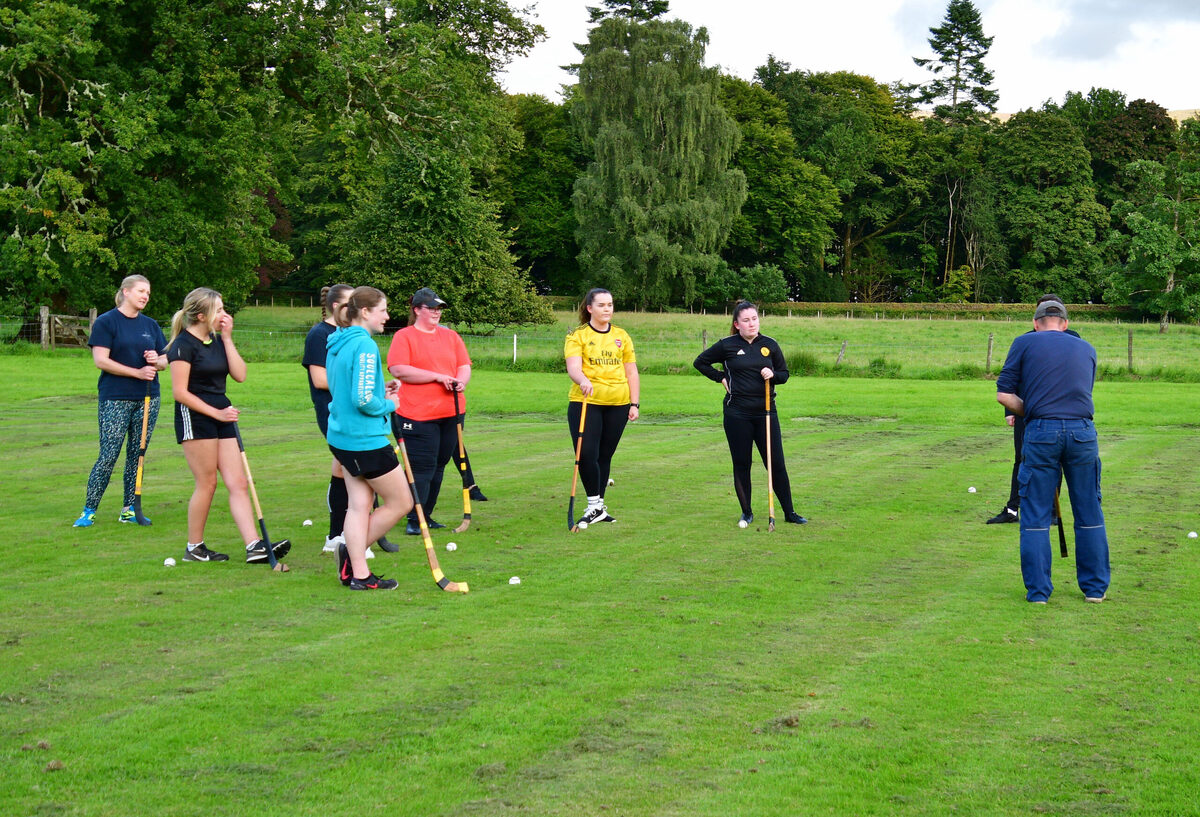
{"x": 129, "y": 517}
{"x": 86, "y": 519}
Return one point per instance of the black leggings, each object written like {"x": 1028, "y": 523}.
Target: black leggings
{"x": 1014, "y": 492}
{"x": 602, "y": 429}
{"x": 429, "y": 444}
{"x": 744, "y": 432}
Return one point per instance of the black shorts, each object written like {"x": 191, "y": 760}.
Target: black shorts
{"x": 192, "y": 425}
{"x": 367, "y": 464}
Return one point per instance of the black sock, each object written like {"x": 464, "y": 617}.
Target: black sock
{"x": 338, "y": 501}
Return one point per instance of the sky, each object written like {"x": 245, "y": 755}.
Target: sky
{"x": 1147, "y": 49}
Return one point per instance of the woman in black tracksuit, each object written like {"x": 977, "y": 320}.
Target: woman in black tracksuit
{"x": 748, "y": 359}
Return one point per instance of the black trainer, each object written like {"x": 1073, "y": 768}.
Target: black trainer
{"x": 748, "y": 518}
{"x": 477, "y": 494}
{"x": 412, "y": 528}
{"x": 794, "y": 518}
{"x": 202, "y": 554}
{"x": 433, "y": 525}
{"x": 1006, "y": 515}
{"x": 373, "y": 582}
{"x": 388, "y": 545}
{"x": 343, "y": 562}
{"x": 257, "y": 552}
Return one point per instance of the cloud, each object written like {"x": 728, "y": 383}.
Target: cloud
{"x": 1095, "y": 29}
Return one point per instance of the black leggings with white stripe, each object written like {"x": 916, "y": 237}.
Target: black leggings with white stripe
{"x": 745, "y": 433}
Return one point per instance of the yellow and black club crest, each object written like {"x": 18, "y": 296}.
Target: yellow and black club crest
{"x": 765, "y": 352}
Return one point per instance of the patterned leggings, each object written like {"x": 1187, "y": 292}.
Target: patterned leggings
{"x": 119, "y": 419}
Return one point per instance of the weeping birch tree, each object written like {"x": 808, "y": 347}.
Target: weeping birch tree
{"x": 657, "y": 201}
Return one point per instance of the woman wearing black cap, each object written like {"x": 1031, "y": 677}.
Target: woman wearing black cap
{"x": 432, "y": 362}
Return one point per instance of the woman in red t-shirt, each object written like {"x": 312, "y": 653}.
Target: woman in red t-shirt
{"x": 432, "y": 362}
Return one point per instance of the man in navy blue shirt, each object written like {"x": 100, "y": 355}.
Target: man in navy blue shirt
{"x": 1047, "y": 379}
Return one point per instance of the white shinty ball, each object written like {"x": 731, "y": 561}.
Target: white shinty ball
{"x": 451, "y": 546}
{"x": 971, "y": 490}
{"x": 583, "y": 525}
{"x": 611, "y": 482}
{"x": 742, "y": 523}
{"x": 307, "y": 523}
{"x": 168, "y": 562}
{"x": 515, "y": 580}
{"x": 1192, "y": 535}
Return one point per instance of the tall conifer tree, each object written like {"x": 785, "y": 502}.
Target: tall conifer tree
{"x": 960, "y": 78}
{"x": 658, "y": 198}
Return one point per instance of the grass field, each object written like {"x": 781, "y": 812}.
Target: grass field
{"x": 668, "y": 343}
{"x": 877, "y": 661}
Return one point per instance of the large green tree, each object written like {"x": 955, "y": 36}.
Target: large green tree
{"x": 791, "y": 206}
{"x": 1047, "y": 207}
{"x": 428, "y": 227}
{"x": 849, "y": 126}
{"x": 659, "y": 196}
{"x": 1157, "y": 232}
{"x": 960, "y": 83}
{"x": 1115, "y": 134}
{"x": 135, "y": 140}
{"x": 533, "y": 186}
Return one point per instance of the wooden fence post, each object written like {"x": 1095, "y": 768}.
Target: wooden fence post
{"x": 45, "y": 321}
{"x": 703, "y": 339}
{"x": 514, "y": 348}
{"x": 1131, "y": 351}
{"x": 842, "y": 353}
{"x": 91, "y": 320}
{"x": 991, "y": 338}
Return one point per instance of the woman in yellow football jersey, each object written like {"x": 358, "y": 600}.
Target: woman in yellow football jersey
{"x": 603, "y": 370}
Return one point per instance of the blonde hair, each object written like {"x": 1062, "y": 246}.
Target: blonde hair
{"x": 129, "y": 281}
{"x": 330, "y": 296}
{"x": 200, "y": 301}
{"x": 361, "y": 298}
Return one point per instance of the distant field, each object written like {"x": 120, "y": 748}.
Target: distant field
{"x": 878, "y": 661}
{"x": 667, "y": 344}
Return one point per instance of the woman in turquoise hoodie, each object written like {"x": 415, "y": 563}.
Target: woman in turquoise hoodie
{"x": 359, "y": 411}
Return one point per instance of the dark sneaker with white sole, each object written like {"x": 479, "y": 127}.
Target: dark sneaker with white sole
{"x": 343, "y": 560}
{"x": 1006, "y": 515}
{"x": 794, "y": 518}
{"x": 202, "y": 554}
{"x": 596, "y": 514}
{"x": 373, "y": 582}
{"x": 257, "y": 552}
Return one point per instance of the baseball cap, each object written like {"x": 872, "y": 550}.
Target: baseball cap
{"x": 427, "y": 297}
{"x": 1050, "y": 309}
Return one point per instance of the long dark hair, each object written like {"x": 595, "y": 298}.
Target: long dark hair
{"x": 361, "y": 298}
{"x": 584, "y": 315}
{"x": 738, "y": 309}
{"x": 330, "y": 296}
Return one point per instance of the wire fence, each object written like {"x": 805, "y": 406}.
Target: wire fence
{"x": 856, "y": 347}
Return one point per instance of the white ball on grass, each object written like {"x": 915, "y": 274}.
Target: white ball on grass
{"x": 742, "y": 523}
{"x": 971, "y": 490}
{"x": 308, "y": 523}
{"x": 515, "y": 580}
{"x": 1192, "y": 535}
{"x": 168, "y": 562}
{"x": 451, "y": 546}
{"x": 583, "y": 525}
{"x": 611, "y": 482}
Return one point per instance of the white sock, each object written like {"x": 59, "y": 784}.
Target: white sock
{"x": 594, "y": 502}
{"x": 192, "y": 547}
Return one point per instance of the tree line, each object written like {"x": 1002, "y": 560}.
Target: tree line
{"x": 298, "y": 143}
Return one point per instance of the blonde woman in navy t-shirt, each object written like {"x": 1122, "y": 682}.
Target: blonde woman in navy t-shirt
{"x": 129, "y": 349}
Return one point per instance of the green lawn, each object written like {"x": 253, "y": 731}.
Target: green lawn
{"x": 668, "y": 343}
{"x": 877, "y": 661}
